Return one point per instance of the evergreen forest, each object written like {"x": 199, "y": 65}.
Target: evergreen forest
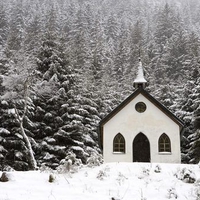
{"x": 65, "y": 64}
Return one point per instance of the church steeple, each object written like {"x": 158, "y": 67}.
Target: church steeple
{"x": 140, "y": 81}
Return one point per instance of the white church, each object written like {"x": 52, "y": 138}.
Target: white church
{"x": 141, "y": 129}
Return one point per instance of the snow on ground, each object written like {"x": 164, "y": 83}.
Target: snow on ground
{"x": 116, "y": 181}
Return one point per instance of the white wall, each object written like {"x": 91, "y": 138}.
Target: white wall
{"x": 153, "y": 123}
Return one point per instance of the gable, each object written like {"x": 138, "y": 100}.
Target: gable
{"x": 155, "y": 113}
{"x": 150, "y": 98}
{"x": 149, "y": 114}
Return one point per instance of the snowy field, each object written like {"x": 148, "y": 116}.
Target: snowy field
{"x": 114, "y": 181}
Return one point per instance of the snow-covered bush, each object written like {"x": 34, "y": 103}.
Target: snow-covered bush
{"x": 197, "y": 189}
{"x": 121, "y": 178}
{"x": 197, "y": 193}
{"x": 69, "y": 164}
{"x": 94, "y": 160}
{"x": 145, "y": 173}
{"x": 103, "y": 173}
{"x": 172, "y": 194}
{"x": 186, "y": 175}
{"x": 157, "y": 169}
{"x": 44, "y": 168}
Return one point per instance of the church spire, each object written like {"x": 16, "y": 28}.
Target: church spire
{"x": 140, "y": 81}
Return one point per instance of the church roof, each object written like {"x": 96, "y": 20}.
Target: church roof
{"x": 151, "y": 99}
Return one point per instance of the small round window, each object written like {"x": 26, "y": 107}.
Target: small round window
{"x": 140, "y": 107}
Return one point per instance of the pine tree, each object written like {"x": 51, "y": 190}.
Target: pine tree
{"x": 17, "y": 26}
{"x": 195, "y": 137}
{"x": 112, "y": 28}
{"x": 79, "y": 40}
{"x": 56, "y": 78}
{"x": 3, "y": 24}
{"x": 33, "y": 35}
{"x": 120, "y": 70}
{"x": 19, "y": 105}
{"x": 166, "y": 25}
{"x": 80, "y": 117}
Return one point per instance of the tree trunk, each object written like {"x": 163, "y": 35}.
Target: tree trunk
{"x": 31, "y": 158}
{"x": 32, "y": 161}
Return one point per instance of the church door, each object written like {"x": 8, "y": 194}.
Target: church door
{"x": 141, "y": 148}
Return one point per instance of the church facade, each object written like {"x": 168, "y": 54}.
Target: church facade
{"x": 141, "y": 129}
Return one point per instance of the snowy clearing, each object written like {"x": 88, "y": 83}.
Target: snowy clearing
{"x": 116, "y": 181}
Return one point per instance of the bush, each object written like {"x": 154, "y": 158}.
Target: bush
{"x": 69, "y": 164}
{"x": 94, "y": 160}
{"x": 172, "y": 193}
{"x": 157, "y": 169}
{"x": 186, "y": 175}
{"x": 103, "y": 173}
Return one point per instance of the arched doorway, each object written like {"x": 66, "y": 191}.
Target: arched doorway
{"x": 141, "y": 149}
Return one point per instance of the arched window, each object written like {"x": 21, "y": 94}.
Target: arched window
{"x": 119, "y": 143}
{"x": 164, "y": 143}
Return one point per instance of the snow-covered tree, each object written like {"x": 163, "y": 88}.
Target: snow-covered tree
{"x": 195, "y": 137}
{"x": 17, "y": 26}
{"x": 3, "y": 24}
{"x": 17, "y": 91}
